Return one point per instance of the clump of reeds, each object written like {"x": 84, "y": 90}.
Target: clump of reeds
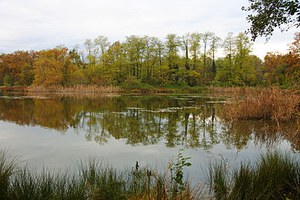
{"x": 7, "y": 168}
{"x": 275, "y": 176}
{"x": 80, "y": 89}
{"x": 268, "y": 103}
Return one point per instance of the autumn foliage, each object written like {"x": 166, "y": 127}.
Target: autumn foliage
{"x": 284, "y": 69}
{"x": 142, "y": 61}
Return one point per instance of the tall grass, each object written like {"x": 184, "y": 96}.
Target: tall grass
{"x": 93, "y": 180}
{"x": 7, "y": 168}
{"x": 275, "y": 176}
{"x": 268, "y": 103}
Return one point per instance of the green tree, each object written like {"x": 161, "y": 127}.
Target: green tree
{"x": 214, "y": 45}
{"x": 206, "y": 40}
{"x": 93, "y": 56}
{"x": 186, "y": 47}
{"x": 237, "y": 68}
{"x": 115, "y": 63}
{"x": 266, "y": 15}
{"x": 225, "y": 70}
{"x": 102, "y": 44}
{"x": 135, "y": 48}
{"x": 89, "y": 52}
{"x": 153, "y": 60}
{"x": 243, "y": 49}
{"x": 158, "y": 60}
{"x": 172, "y": 45}
{"x": 195, "y": 45}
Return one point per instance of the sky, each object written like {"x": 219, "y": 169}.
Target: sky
{"x": 45, "y": 24}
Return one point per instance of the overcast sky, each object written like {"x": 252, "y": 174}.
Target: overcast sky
{"x": 44, "y": 24}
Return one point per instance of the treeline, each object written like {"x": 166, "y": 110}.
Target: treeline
{"x": 178, "y": 60}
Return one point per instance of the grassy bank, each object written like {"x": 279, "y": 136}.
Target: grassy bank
{"x": 275, "y": 176}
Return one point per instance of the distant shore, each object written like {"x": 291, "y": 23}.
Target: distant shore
{"x": 86, "y": 89}
{"x": 95, "y": 89}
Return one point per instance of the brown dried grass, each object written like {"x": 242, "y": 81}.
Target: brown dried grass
{"x": 267, "y": 103}
{"x": 77, "y": 89}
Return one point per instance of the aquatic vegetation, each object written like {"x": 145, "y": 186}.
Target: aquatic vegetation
{"x": 92, "y": 180}
{"x": 268, "y": 103}
{"x": 274, "y": 176}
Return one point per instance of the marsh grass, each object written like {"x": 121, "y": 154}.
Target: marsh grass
{"x": 275, "y": 176}
{"x": 26, "y": 184}
{"x": 92, "y": 180}
{"x": 267, "y": 103}
{"x": 218, "y": 179}
{"x": 7, "y": 168}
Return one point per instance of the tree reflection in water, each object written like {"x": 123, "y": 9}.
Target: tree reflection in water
{"x": 190, "y": 121}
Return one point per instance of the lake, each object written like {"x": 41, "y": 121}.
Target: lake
{"x": 53, "y": 131}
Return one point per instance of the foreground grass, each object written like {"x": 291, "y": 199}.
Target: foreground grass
{"x": 275, "y": 176}
{"x": 91, "y": 181}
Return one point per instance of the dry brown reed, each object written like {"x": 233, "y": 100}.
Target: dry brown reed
{"x": 230, "y": 90}
{"x": 77, "y": 89}
{"x": 267, "y": 103}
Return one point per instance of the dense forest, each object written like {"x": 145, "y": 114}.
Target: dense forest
{"x": 188, "y": 60}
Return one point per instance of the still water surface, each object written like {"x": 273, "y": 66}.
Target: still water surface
{"x": 57, "y": 132}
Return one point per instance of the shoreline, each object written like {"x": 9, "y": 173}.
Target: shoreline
{"x": 94, "y": 89}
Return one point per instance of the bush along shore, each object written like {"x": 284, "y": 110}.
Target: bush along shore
{"x": 274, "y": 176}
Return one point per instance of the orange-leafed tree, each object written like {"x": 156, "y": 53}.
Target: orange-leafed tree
{"x": 293, "y": 70}
{"x": 18, "y": 66}
{"x": 284, "y": 69}
{"x": 53, "y": 67}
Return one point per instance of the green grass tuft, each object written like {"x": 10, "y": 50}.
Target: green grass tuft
{"x": 275, "y": 176}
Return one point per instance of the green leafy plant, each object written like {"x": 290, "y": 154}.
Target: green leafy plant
{"x": 176, "y": 168}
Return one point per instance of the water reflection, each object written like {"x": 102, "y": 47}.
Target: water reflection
{"x": 189, "y": 121}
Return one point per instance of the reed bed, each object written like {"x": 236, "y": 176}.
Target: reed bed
{"x": 267, "y": 103}
{"x": 77, "y": 89}
{"x": 275, "y": 176}
{"x": 227, "y": 90}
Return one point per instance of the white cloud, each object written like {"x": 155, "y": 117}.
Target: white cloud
{"x": 35, "y": 24}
